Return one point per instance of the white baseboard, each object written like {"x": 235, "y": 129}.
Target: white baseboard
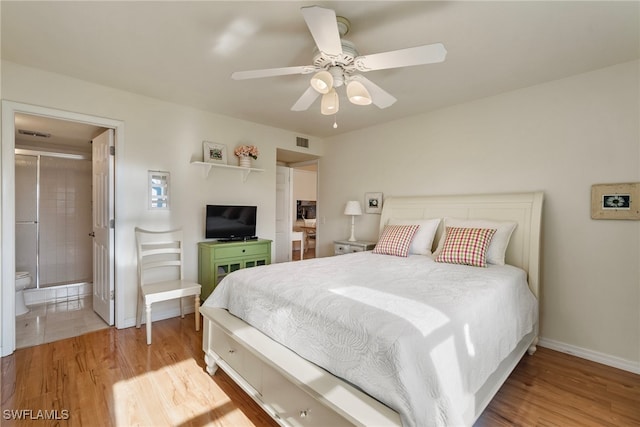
{"x": 594, "y": 356}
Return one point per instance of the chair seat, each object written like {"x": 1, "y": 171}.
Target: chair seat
{"x": 171, "y": 289}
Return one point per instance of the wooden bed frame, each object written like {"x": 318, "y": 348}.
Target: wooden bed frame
{"x": 296, "y": 392}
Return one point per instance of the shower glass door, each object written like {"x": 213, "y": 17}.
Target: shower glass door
{"x": 26, "y": 172}
{"x": 53, "y": 218}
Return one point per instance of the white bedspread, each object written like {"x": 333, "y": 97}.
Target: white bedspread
{"x": 417, "y": 335}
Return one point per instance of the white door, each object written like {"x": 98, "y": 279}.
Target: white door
{"x": 103, "y": 231}
{"x": 283, "y": 214}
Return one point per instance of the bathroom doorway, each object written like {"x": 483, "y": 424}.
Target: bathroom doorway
{"x": 54, "y": 227}
{"x": 59, "y": 168}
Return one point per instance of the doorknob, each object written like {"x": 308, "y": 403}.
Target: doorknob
{"x": 92, "y": 234}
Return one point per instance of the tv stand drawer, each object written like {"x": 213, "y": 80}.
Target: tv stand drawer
{"x": 243, "y": 249}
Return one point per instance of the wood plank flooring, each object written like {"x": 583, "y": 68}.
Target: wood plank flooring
{"x": 112, "y": 378}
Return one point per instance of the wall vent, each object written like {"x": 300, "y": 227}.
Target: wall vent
{"x": 34, "y": 133}
{"x": 302, "y": 142}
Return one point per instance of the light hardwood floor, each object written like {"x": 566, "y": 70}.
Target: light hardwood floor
{"x": 112, "y": 378}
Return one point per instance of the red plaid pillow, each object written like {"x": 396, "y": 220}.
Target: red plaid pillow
{"x": 466, "y": 246}
{"x": 395, "y": 240}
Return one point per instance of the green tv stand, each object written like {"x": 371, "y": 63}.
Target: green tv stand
{"x": 217, "y": 259}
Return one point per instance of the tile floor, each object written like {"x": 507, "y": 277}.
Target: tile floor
{"x": 54, "y": 321}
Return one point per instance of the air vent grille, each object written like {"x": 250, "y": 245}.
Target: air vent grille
{"x": 34, "y": 133}
{"x": 302, "y": 142}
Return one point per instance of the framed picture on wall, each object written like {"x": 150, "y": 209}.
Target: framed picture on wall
{"x": 158, "y": 190}
{"x": 615, "y": 201}
{"x": 213, "y": 152}
{"x": 373, "y": 203}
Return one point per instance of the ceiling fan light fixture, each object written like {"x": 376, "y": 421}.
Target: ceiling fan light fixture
{"x": 322, "y": 81}
{"x": 357, "y": 93}
{"x": 330, "y": 103}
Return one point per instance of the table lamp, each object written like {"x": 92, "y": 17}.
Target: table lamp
{"x": 353, "y": 208}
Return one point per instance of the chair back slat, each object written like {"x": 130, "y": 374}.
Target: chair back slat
{"x": 158, "y": 250}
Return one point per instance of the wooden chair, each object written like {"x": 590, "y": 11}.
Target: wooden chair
{"x": 160, "y": 252}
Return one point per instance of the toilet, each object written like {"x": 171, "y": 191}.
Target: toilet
{"x": 23, "y": 280}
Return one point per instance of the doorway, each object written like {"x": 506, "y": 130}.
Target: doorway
{"x": 305, "y": 202}
{"x": 296, "y": 205}
{"x": 68, "y": 137}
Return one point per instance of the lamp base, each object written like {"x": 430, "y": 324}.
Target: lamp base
{"x": 353, "y": 229}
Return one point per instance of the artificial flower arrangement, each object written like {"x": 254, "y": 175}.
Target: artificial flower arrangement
{"x": 246, "y": 151}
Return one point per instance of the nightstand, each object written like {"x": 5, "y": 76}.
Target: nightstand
{"x": 341, "y": 247}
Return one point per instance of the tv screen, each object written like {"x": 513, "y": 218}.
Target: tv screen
{"x": 227, "y": 222}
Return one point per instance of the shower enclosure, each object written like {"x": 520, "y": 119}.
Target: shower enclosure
{"x": 54, "y": 217}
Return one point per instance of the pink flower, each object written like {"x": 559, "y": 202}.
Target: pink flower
{"x": 246, "y": 151}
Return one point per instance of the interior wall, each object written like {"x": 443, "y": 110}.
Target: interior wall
{"x": 560, "y": 137}
{"x": 304, "y": 185}
{"x": 167, "y": 137}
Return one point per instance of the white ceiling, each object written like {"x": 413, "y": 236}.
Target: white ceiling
{"x": 185, "y": 52}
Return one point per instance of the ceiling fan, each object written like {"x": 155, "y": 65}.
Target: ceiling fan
{"x": 336, "y": 62}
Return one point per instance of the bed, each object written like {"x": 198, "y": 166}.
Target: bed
{"x": 357, "y": 339}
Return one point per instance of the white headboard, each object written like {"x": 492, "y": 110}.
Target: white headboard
{"x": 524, "y": 208}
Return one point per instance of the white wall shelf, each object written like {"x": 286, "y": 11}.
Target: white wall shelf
{"x": 243, "y": 171}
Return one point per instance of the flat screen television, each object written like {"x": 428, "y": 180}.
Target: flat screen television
{"x": 230, "y": 223}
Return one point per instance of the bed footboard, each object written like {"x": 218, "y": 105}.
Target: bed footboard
{"x": 290, "y": 389}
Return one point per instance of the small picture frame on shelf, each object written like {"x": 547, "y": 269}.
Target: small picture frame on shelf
{"x": 213, "y": 152}
{"x": 373, "y": 203}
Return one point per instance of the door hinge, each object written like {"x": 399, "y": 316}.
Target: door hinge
{"x": 112, "y": 295}
{"x": 112, "y": 223}
{"x": 112, "y": 150}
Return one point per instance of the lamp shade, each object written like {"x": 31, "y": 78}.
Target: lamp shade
{"x": 357, "y": 93}
{"x": 353, "y": 208}
{"x": 322, "y": 81}
{"x": 330, "y": 103}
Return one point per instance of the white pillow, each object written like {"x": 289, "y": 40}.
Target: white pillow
{"x": 499, "y": 242}
{"x": 423, "y": 239}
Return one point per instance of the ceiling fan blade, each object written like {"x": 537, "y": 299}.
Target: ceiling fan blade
{"x": 420, "y": 55}
{"x": 323, "y": 26}
{"x": 305, "y": 101}
{"x": 273, "y": 72}
{"x": 380, "y": 97}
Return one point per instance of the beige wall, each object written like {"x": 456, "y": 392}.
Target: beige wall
{"x": 167, "y": 137}
{"x": 305, "y": 185}
{"x": 560, "y": 137}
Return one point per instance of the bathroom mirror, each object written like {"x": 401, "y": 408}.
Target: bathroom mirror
{"x": 158, "y": 190}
